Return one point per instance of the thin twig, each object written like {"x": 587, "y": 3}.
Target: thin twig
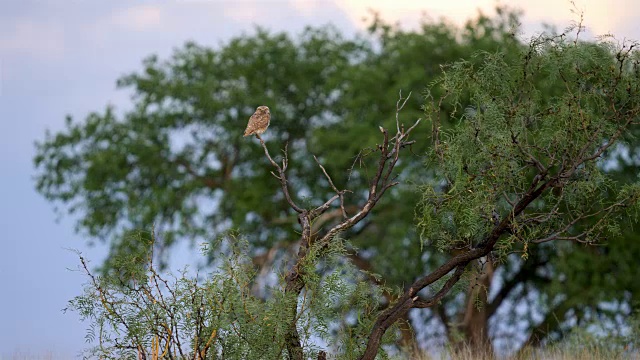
{"x": 339, "y": 192}
{"x": 281, "y": 174}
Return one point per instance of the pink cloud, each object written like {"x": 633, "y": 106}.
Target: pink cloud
{"x": 600, "y": 16}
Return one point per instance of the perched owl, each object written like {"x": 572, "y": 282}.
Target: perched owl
{"x": 258, "y": 122}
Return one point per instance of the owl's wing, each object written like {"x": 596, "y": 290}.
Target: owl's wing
{"x": 251, "y": 126}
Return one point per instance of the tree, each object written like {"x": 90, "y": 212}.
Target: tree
{"x": 178, "y": 149}
{"x": 136, "y": 305}
{"x": 518, "y": 171}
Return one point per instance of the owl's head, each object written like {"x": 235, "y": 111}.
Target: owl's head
{"x": 263, "y": 109}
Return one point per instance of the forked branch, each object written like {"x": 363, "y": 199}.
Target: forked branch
{"x": 389, "y": 152}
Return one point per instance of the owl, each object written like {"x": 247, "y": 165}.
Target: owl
{"x": 258, "y": 122}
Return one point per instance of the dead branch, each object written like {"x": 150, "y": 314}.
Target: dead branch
{"x": 281, "y": 174}
{"x": 382, "y": 181}
{"x": 340, "y": 193}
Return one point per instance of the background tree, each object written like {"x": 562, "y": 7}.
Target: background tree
{"x": 519, "y": 170}
{"x": 176, "y": 160}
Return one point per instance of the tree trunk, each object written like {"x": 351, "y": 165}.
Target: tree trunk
{"x": 408, "y": 337}
{"x": 474, "y": 320}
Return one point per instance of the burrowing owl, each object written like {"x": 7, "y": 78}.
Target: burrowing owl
{"x": 258, "y": 122}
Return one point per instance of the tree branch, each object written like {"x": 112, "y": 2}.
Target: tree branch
{"x": 340, "y": 193}
{"x": 420, "y": 303}
{"x": 389, "y": 154}
{"x": 281, "y": 174}
{"x": 406, "y": 301}
{"x": 378, "y": 185}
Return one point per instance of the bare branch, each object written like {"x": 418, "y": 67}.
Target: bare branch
{"x": 281, "y": 175}
{"x": 381, "y": 182}
{"x": 507, "y": 199}
{"x": 324, "y": 207}
{"x": 340, "y": 193}
{"x": 399, "y": 108}
{"x": 409, "y": 130}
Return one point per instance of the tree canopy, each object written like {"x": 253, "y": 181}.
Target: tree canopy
{"x": 508, "y": 116}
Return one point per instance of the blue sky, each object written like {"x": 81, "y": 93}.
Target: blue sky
{"x": 63, "y": 57}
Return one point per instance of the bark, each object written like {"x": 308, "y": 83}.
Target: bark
{"x": 407, "y": 339}
{"x": 475, "y": 319}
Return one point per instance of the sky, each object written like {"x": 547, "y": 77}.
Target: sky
{"x": 63, "y": 57}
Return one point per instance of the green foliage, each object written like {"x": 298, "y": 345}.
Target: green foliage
{"x": 160, "y": 315}
{"x": 512, "y": 134}
{"x": 554, "y": 114}
{"x": 177, "y": 158}
{"x": 181, "y": 146}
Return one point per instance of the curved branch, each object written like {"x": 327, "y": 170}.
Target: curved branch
{"x": 409, "y": 298}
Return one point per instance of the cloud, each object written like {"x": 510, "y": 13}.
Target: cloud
{"x": 34, "y": 38}
{"x": 139, "y": 18}
{"x": 409, "y": 13}
{"x": 247, "y": 12}
{"x": 307, "y": 7}
{"x": 600, "y": 16}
